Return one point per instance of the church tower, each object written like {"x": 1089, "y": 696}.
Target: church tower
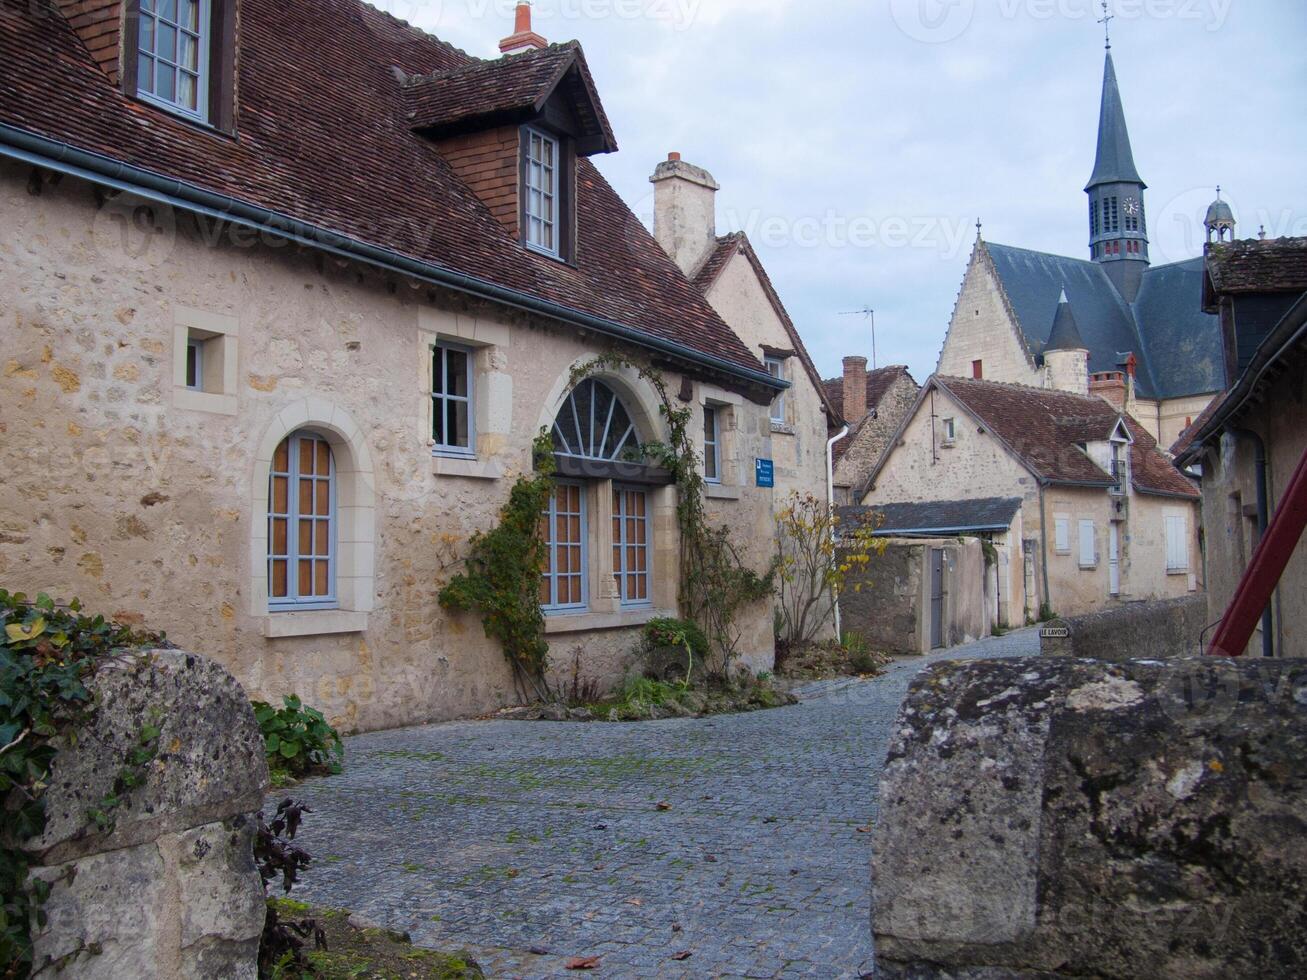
{"x": 1118, "y": 228}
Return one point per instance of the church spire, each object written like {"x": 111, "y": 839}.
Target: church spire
{"x": 1118, "y": 229}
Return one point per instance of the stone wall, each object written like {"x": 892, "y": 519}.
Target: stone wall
{"x": 172, "y": 890}
{"x": 871, "y": 436}
{"x": 1157, "y": 630}
{"x": 984, "y": 329}
{"x": 1054, "y": 817}
{"x": 888, "y": 605}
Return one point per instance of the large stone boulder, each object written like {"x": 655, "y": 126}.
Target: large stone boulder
{"x": 1052, "y": 817}
{"x": 171, "y": 890}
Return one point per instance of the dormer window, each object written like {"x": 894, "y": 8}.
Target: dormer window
{"x": 172, "y": 67}
{"x": 542, "y": 197}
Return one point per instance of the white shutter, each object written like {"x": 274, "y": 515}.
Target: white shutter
{"x": 1177, "y": 543}
{"x": 1088, "y": 550}
{"x": 1063, "y": 534}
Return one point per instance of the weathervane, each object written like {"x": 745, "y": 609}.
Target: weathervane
{"x": 1108, "y": 17}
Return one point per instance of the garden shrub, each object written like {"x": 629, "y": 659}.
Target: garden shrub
{"x": 48, "y": 653}
{"x": 298, "y": 740}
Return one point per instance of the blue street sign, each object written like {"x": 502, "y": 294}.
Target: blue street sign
{"x": 765, "y": 472}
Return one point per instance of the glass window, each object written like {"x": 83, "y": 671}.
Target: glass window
{"x": 594, "y": 424}
{"x": 776, "y": 368}
{"x": 302, "y": 524}
{"x": 542, "y": 192}
{"x": 712, "y": 447}
{"x": 1119, "y": 471}
{"x": 950, "y": 430}
{"x": 172, "y": 65}
{"x": 452, "y": 412}
{"x": 562, "y": 586}
{"x": 631, "y": 545}
{"x": 194, "y": 365}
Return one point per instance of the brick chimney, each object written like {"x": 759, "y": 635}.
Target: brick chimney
{"x": 855, "y": 389}
{"x": 523, "y": 37}
{"x": 685, "y": 212}
{"x": 1111, "y": 386}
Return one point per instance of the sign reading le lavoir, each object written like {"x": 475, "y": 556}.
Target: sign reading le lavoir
{"x": 766, "y": 472}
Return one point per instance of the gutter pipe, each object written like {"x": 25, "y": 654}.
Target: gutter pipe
{"x": 830, "y": 502}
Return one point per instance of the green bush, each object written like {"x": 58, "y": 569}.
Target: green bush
{"x": 298, "y": 740}
{"x": 664, "y": 632}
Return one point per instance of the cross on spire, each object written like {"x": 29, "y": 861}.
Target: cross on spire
{"x": 1108, "y": 17}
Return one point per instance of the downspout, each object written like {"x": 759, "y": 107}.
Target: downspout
{"x": 830, "y": 502}
{"x": 1263, "y": 519}
{"x": 1043, "y": 547}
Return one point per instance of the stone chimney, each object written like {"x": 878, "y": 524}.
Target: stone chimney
{"x": 855, "y": 389}
{"x": 685, "y": 212}
{"x": 523, "y": 37}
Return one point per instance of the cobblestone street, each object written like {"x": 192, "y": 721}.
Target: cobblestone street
{"x": 739, "y": 840}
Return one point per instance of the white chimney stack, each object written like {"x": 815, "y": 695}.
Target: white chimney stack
{"x": 685, "y": 212}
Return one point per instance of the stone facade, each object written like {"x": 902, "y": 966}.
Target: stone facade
{"x": 158, "y": 504}
{"x": 868, "y": 438}
{"x": 1054, "y": 818}
{"x": 172, "y": 890}
{"x": 1155, "y": 630}
{"x": 925, "y": 466}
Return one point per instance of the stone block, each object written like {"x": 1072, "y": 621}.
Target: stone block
{"x": 1057, "y": 817}
{"x": 1161, "y": 630}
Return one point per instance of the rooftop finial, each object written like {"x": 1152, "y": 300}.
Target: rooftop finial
{"x": 1108, "y": 17}
{"x": 979, "y": 229}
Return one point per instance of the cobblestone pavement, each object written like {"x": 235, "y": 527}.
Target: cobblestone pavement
{"x": 740, "y": 840}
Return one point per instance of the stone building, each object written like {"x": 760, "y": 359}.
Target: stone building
{"x": 728, "y": 272}
{"x": 1248, "y": 445}
{"x": 283, "y": 320}
{"x": 1148, "y": 346}
{"x": 873, "y": 403}
{"x": 1104, "y": 516}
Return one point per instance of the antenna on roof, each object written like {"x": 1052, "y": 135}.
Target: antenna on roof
{"x": 869, "y": 314}
{"x": 1108, "y": 17}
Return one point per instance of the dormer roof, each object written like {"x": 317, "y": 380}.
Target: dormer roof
{"x": 1066, "y": 332}
{"x": 512, "y": 89}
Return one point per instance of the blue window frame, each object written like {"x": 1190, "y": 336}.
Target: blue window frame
{"x": 631, "y": 545}
{"x": 172, "y": 68}
{"x": 542, "y": 197}
{"x": 712, "y": 445}
{"x": 594, "y": 424}
{"x": 302, "y": 525}
{"x": 453, "y": 422}
{"x": 563, "y": 586}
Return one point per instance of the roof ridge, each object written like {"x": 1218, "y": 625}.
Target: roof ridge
{"x": 480, "y": 64}
{"x": 424, "y": 35}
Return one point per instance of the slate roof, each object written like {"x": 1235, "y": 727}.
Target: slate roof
{"x": 948, "y": 517}
{"x": 1042, "y": 427}
{"x": 1066, "y": 332}
{"x": 1115, "y": 162}
{"x": 1254, "y": 266}
{"x": 506, "y": 90}
{"x": 738, "y": 243}
{"x": 1178, "y": 346}
{"x": 322, "y": 138}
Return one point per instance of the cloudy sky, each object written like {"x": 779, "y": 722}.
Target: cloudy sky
{"x": 857, "y": 141}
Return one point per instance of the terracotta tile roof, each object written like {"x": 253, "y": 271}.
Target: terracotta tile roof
{"x": 738, "y": 243}
{"x": 1254, "y": 266}
{"x": 1043, "y": 428}
{"x": 513, "y": 88}
{"x": 879, "y": 381}
{"x": 322, "y": 140}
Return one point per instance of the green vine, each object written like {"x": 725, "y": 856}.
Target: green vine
{"x": 502, "y": 576}
{"x": 48, "y": 655}
{"x": 715, "y": 586}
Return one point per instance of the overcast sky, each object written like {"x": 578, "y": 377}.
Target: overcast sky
{"x": 858, "y": 141}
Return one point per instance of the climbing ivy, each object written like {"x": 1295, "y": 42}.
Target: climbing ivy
{"x": 715, "y": 584}
{"x": 48, "y": 654}
{"x": 502, "y": 575}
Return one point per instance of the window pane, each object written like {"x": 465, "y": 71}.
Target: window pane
{"x": 281, "y": 459}
{"x": 305, "y": 578}
{"x": 457, "y": 369}
{"x": 306, "y": 537}
{"x": 320, "y": 569}
{"x": 188, "y": 55}
{"x": 279, "y": 583}
{"x": 545, "y": 598}
{"x": 167, "y": 83}
{"x": 306, "y": 496}
{"x": 456, "y": 429}
{"x": 438, "y": 421}
{"x": 186, "y": 90}
{"x": 278, "y": 545}
{"x": 168, "y": 9}
{"x": 189, "y": 15}
{"x": 306, "y": 457}
{"x": 324, "y": 458}
{"x": 146, "y": 35}
{"x": 145, "y": 74}
{"x": 192, "y": 366}
{"x": 167, "y": 43}
{"x": 324, "y": 498}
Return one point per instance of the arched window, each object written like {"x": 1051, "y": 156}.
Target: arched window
{"x": 594, "y": 424}
{"x": 302, "y": 524}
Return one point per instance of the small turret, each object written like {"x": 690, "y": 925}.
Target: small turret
{"x": 1066, "y": 358}
{"x": 1220, "y": 220}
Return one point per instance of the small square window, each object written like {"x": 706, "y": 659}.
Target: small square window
{"x": 204, "y": 361}
{"x": 195, "y": 364}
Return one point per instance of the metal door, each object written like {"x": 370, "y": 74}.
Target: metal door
{"x": 936, "y": 598}
{"x": 1114, "y": 560}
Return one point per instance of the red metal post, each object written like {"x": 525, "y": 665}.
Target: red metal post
{"x": 1263, "y": 573}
